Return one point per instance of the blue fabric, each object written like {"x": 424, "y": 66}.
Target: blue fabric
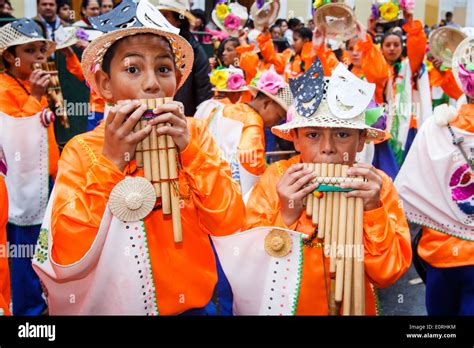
{"x": 94, "y": 119}
{"x": 450, "y": 291}
{"x": 270, "y": 140}
{"x": 225, "y": 297}
{"x": 410, "y": 137}
{"x": 384, "y": 159}
{"x": 26, "y": 290}
{"x": 209, "y": 309}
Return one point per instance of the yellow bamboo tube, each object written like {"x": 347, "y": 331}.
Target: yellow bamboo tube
{"x": 175, "y": 206}
{"x": 139, "y": 149}
{"x": 164, "y": 170}
{"x": 334, "y": 224}
{"x": 316, "y": 201}
{"x": 155, "y": 163}
{"x": 359, "y": 274}
{"x": 309, "y": 199}
{"x": 322, "y": 205}
{"x": 329, "y": 211}
{"x": 349, "y": 259}
{"x": 341, "y": 238}
{"x": 146, "y": 149}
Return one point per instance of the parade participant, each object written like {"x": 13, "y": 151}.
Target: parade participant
{"x": 238, "y": 128}
{"x": 86, "y": 249}
{"x": 322, "y": 133}
{"x": 435, "y": 184}
{"x": 31, "y": 161}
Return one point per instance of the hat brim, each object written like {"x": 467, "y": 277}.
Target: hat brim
{"x": 254, "y": 91}
{"x": 284, "y": 130}
{"x": 220, "y": 25}
{"x": 95, "y": 51}
{"x": 336, "y": 10}
{"x": 442, "y": 38}
{"x": 460, "y": 57}
{"x": 260, "y": 23}
{"x": 185, "y": 13}
{"x": 50, "y": 45}
{"x": 243, "y": 89}
{"x": 68, "y": 43}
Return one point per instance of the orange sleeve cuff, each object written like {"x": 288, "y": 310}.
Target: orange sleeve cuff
{"x": 263, "y": 38}
{"x": 245, "y": 48}
{"x": 191, "y": 157}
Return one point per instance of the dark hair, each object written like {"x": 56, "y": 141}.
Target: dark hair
{"x": 305, "y": 33}
{"x": 86, "y": 3}
{"x": 449, "y": 14}
{"x": 198, "y": 13}
{"x": 279, "y": 21}
{"x": 61, "y": 3}
{"x": 293, "y": 23}
{"x": 220, "y": 50}
{"x": 274, "y": 27}
{"x": 396, "y": 66}
{"x": 12, "y": 50}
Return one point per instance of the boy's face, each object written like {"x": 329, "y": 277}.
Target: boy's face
{"x": 142, "y": 67}
{"x": 328, "y": 145}
{"x": 21, "y": 64}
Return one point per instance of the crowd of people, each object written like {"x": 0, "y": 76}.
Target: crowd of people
{"x": 255, "y": 98}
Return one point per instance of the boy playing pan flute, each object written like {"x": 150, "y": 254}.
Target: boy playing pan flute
{"x": 99, "y": 264}
{"x": 327, "y": 127}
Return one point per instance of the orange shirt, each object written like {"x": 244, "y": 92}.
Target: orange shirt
{"x": 14, "y": 101}
{"x": 4, "y": 272}
{"x": 386, "y": 240}
{"x": 252, "y": 141}
{"x": 440, "y": 249}
{"x": 373, "y": 67}
{"x": 212, "y": 205}
{"x": 416, "y": 44}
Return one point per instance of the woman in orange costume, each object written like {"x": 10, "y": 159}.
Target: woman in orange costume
{"x": 319, "y": 138}
{"x": 155, "y": 277}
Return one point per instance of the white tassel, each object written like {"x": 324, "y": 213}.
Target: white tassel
{"x": 443, "y": 114}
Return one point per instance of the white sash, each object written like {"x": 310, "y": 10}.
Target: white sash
{"x": 24, "y": 142}
{"x": 422, "y": 97}
{"x": 261, "y": 284}
{"x": 430, "y": 185}
{"x": 114, "y": 276}
{"x": 227, "y": 133}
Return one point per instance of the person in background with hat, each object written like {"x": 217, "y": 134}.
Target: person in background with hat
{"x": 197, "y": 87}
{"x": 200, "y": 25}
{"x": 4, "y": 269}
{"x": 92, "y": 249}
{"x": 32, "y": 164}
{"x": 321, "y": 136}
{"x": 435, "y": 184}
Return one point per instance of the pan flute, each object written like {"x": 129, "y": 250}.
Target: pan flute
{"x": 339, "y": 222}
{"x": 157, "y": 156}
{"x": 55, "y": 95}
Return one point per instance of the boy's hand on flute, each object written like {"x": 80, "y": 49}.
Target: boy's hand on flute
{"x": 39, "y": 81}
{"x": 120, "y": 139}
{"x": 172, "y": 113}
{"x": 368, "y": 190}
{"x": 292, "y": 189}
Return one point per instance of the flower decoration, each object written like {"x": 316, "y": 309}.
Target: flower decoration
{"x": 466, "y": 76}
{"x": 260, "y": 3}
{"x": 269, "y": 82}
{"x": 235, "y": 82}
{"x": 389, "y": 11}
{"x": 226, "y": 17}
{"x": 407, "y": 5}
{"x": 232, "y": 22}
{"x": 375, "y": 13}
{"x": 81, "y": 34}
{"x": 230, "y": 79}
{"x": 219, "y": 78}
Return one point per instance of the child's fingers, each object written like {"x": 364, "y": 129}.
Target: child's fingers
{"x": 132, "y": 120}
{"x": 169, "y": 117}
{"x": 123, "y": 111}
{"x": 136, "y": 137}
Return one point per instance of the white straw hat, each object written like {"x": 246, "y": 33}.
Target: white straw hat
{"x": 340, "y": 101}
{"x": 273, "y": 86}
{"x": 224, "y": 11}
{"x": 133, "y": 18}
{"x": 180, "y": 6}
{"x": 464, "y": 55}
{"x": 266, "y": 15}
{"x": 65, "y": 37}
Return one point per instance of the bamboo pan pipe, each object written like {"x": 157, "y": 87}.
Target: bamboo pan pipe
{"x": 157, "y": 155}
{"x": 341, "y": 221}
{"x": 54, "y": 93}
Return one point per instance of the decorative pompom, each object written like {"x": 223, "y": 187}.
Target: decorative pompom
{"x": 132, "y": 199}
{"x": 443, "y": 114}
